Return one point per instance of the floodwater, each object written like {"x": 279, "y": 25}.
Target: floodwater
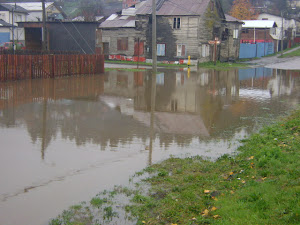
{"x": 65, "y": 140}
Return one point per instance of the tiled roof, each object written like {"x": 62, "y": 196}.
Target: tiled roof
{"x": 175, "y": 7}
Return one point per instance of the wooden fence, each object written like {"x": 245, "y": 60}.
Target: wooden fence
{"x": 17, "y": 67}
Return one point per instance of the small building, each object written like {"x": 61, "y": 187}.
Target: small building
{"x": 9, "y": 16}
{"x": 184, "y": 28}
{"x": 62, "y": 36}
{"x": 257, "y": 38}
{"x": 230, "y": 43}
{"x": 254, "y": 31}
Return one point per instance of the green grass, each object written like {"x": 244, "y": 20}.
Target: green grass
{"x": 261, "y": 185}
{"x": 124, "y": 69}
{"x": 146, "y": 64}
{"x": 291, "y": 54}
{"x": 221, "y": 65}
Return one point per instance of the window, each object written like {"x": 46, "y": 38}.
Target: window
{"x": 122, "y": 44}
{"x": 161, "y": 49}
{"x": 205, "y": 50}
{"x": 176, "y": 23}
{"x": 181, "y": 50}
{"x": 245, "y": 30}
{"x": 235, "y": 33}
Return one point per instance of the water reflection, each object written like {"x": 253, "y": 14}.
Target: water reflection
{"x": 115, "y": 108}
{"x": 110, "y": 122}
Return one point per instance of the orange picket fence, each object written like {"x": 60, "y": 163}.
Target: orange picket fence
{"x": 17, "y": 67}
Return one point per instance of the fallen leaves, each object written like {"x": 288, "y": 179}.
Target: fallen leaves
{"x": 205, "y": 212}
{"x": 213, "y": 208}
{"x": 206, "y": 191}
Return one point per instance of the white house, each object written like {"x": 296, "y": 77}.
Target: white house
{"x": 11, "y": 14}
{"x": 35, "y": 10}
{"x": 288, "y": 26}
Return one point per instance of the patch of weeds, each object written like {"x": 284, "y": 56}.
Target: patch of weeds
{"x": 221, "y": 65}
{"x": 97, "y": 202}
{"x": 109, "y": 213}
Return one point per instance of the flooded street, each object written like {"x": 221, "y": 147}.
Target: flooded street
{"x": 64, "y": 140}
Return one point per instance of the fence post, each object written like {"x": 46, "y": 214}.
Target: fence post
{"x": 52, "y": 66}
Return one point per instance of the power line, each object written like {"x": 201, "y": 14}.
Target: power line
{"x": 83, "y": 38}
{"x": 72, "y": 37}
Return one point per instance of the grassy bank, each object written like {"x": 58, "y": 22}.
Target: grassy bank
{"x": 221, "y": 65}
{"x": 260, "y": 185}
{"x": 146, "y": 64}
{"x": 124, "y": 69}
{"x": 291, "y": 54}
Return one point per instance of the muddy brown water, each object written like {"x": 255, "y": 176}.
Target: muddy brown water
{"x": 65, "y": 140}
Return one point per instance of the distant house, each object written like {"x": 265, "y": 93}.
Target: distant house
{"x": 35, "y": 10}
{"x": 184, "y": 29}
{"x": 9, "y": 16}
{"x": 289, "y": 27}
{"x": 258, "y": 38}
{"x": 254, "y": 31}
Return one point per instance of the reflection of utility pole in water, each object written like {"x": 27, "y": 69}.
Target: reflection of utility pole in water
{"x": 44, "y": 127}
{"x": 153, "y": 95}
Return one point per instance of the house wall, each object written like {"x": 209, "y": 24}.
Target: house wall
{"x": 260, "y": 35}
{"x": 286, "y": 24}
{"x": 4, "y": 15}
{"x": 111, "y": 37}
{"x": 4, "y": 34}
{"x": 194, "y": 33}
{"x": 229, "y": 48}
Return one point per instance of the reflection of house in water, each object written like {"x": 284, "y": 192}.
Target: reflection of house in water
{"x": 265, "y": 83}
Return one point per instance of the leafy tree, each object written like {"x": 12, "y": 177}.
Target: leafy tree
{"x": 243, "y": 10}
{"x": 89, "y": 9}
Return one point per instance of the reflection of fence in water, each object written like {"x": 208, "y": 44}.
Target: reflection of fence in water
{"x": 28, "y": 91}
{"x": 16, "y": 67}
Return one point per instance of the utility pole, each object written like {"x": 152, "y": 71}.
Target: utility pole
{"x": 45, "y": 37}
{"x": 281, "y": 33}
{"x": 13, "y": 29}
{"x": 154, "y": 51}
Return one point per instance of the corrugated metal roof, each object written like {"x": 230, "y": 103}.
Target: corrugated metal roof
{"x": 258, "y": 24}
{"x": 119, "y": 21}
{"x": 175, "y": 7}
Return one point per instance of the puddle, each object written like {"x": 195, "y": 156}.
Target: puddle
{"x": 65, "y": 140}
